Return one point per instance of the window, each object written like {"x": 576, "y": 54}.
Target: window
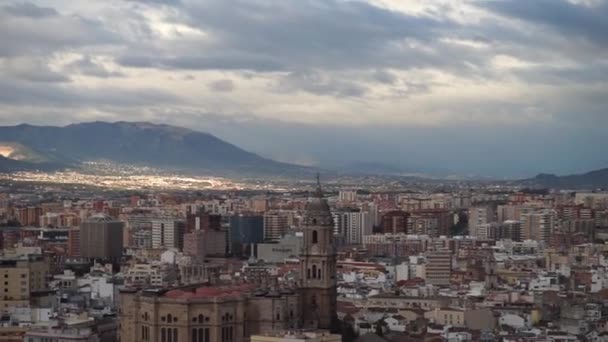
{"x": 314, "y": 271}
{"x": 200, "y": 335}
{"x": 227, "y": 334}
{"x": 308, "y": 273}
{"x": 163, "y": 335}
{"x": 315, "y": 236}
{"x": 145, "y": 333}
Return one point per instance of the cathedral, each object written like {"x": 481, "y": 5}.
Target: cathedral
{"x": 232, "y": 313}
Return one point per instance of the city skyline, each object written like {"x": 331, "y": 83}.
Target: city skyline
{"x": 497, "y": 88}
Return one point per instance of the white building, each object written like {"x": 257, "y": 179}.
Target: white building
{"x": 168, "y": 233}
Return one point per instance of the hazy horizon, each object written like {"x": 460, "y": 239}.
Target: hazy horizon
{"x": 501, "y": 88}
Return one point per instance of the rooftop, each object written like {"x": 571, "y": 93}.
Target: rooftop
{"x": 209, "y": 292}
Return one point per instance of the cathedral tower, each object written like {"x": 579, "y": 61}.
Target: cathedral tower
{"x": 318, "y": 265}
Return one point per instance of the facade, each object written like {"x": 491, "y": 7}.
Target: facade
{"x": 203, "y": 243}
{"x": 348, "y": 196}
{"x": 297, "y": 336}
{"x": 203, "y": 221}
{"x": 244, "y": 231}
{"x": 208, "y": 314}
{"x": 101, "y": 237}
{"x": 276, "y": 225}
{"x": 168, "y": 233}
{"x": 21, "y": 275}
{"x": 288, "y": 247}
{"x": 538, "y": 225}
{"x": 438, "y": 267}
{"x": 352, "y": 225}
{"x": 479, "y": 216}
{"x": 74, "y": 242}
{"x": 431, "y": 222}
{"x": 394, "y": 222}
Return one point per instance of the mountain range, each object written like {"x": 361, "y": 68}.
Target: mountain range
{"x": 47, "y": 148}
{"x": 590, "y": 180}
{"x": 134, "y": 143}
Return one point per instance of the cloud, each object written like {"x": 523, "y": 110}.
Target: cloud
{"x": 471, "y": 74}
{"x": 583, "y": 20}
{"x": 282, "y": 35}
{"x": 31, "y": 69}
{"x": 221, "y": 86}
{"x": 28, "y": 29}
{"x": 29, "y": 10}
{"x": 71, "y": 97}
{"x": 318, "y": 83}
{"x": 88, "y": 67}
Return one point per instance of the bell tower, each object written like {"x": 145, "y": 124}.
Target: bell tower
{"x": 318, "y": 265}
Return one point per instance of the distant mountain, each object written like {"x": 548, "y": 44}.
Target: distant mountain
{"x": 590, "y": 180}
{"x": 135, "y": 143}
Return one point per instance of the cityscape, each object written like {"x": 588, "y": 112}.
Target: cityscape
{"x": 303, "y": 171}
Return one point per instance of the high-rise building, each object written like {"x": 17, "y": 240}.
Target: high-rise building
{"x": 438, "y": 267}
{"x": 479, "y": 216}
{"x": 203, "y": 221}
{"x": 431, "y": 222}
{"x": 204, "y": 243}
{"x": 276, "y": 225}
{"x": 511, "y": 230}
{"x": 509, "y": 212}
{"x": 394, "y": 222}
{"x": 21, "y": 275}
{"x": 101, "y": 237}
{"x": 318, "y": 266}
{"x": 168, "y": 232}
{"x": 351, "y": 225}
{"x": 74, "y": 242}
{"x": 29, "y": 216}
{"x": 245, "y": 231}
{"x": 348, "y": 196}
{"x": 538, "y": 225}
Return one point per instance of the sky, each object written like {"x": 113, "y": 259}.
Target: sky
{"x": 504, "y": 88}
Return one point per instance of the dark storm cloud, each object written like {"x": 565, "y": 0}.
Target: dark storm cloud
{"x": 28, "y": 29}
{"x": 29, "y": 10}
{"x": 282, "y": 35}
{"x": 587, "y": 21}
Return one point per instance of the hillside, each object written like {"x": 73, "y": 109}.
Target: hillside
{"x": 590, "y": 180}
{"x": 141, "y": 143}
